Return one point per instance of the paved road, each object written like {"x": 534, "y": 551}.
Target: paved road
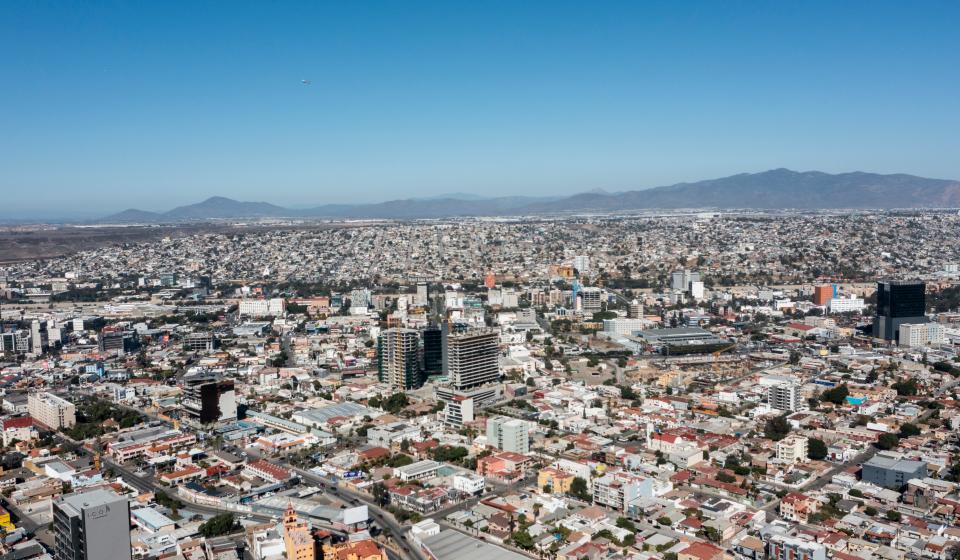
{"x": 386, "y": 521}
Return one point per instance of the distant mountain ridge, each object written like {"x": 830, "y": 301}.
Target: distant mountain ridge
{"x": 768, "y": 190}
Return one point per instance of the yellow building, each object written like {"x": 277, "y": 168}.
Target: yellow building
{"x": 5, "y": 522}
{"x": 558, "y": 481}
{"x": 296, "y": 537}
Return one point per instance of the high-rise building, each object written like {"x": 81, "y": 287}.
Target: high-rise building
{"x": 921, "y": 334}
{"x": 432, "y": 352}
{"x": 785, "y": 396}
{"x": 898, "y": 303}
{"x": 208, "y": 399}
{"x": 635, "y": 311}
{"x": 92, "y": 525}
{"x": 582, "y": 264}
{"x": 508, "y": 434}
{"x": 823, "y": 294}
{"x": 680, "y": 280}
{"x": 591, "y": 299}
{"x": 51, "y": 410}
{"x": 398, "y": 358}
{"x": 471, "y": 358}
{"x": 423, "y": 295}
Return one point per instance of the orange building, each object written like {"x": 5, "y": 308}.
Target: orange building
{"x": 366, "y": 549}
{"x": 822, "y": 294}
{"x": 490, "y": 281}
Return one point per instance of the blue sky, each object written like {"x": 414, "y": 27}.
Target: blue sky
{"x": 109, "y": 105}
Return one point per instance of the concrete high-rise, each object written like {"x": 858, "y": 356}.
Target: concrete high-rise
{"x": 432, "y": 352}
{"x": 92, "y": 525}
{"x": 471, "y": 358}
{"x": 508, "y": 434}
{"x": 398, "y": 358}
{"x": 785, "y": 396}
{"x": 208, "y": 399}
{"x": 898, "y": 303}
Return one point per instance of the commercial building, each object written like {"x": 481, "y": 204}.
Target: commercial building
{"x": 417, "y": 471}
{"x": 785, "y": 396}
{"x": 680, "y": 280}
{"x": 824, "y": 293}
{"x": 208, "y": 399}
{"x": 635, "y": 311}
{"x": 432, "y": 352}
{"x": 398, "y": 358}
{"x": 914, "y": 335}
{"x": 275, "y": 307}
{"x": 508, "y": 434}
{"x": 393, "y": 434}
{"x": 119, "y": 341}
{"x": 890, "y": 471}
{"x": 591, "y": 299}
{"x": 621, "y": 327}
{"x": 51, "y": 410}
{"x": 849, "y": 304}
{"x": 92, "y": 526}
{"x": 792, "y": 449}
{"x": 423, "y": 295}
{"x": 898, "y": 303}
{"x": 472, "y": 358}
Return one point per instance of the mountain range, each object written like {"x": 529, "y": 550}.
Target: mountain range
{"x": 777, "y": 189}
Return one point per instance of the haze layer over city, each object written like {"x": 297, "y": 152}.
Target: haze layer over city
{"x": 498, "y": 281}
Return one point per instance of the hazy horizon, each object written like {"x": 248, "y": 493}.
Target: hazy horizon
{"x": 139, "y": 106}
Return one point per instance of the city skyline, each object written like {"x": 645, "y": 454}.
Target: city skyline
{"x": 147, "y": 108}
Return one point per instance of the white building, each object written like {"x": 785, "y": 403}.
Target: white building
{"x": 590, "y": 299}
{"x": 847, "y": 304}
{"x": 51, "y": 411}
{"x": 274, "y": 307}
{"x": 785, "y": 396}
{"x": 922, "y": 334}
{"x": 792, "y": 449}
{"x": 508, "y": 434}
{"x": 622, "y": 327}
{"x": 469, "y": 483}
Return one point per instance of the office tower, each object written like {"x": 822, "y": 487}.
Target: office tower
{"x": 423, "y": 295}
{"x": 785, "y": 397}
{"x": 398, "y": 358}
{"x": 36, "y": 338}
{"x": 51, "y": 411}
{"x": 118, "y": 341}
{"x": 582, "y": 264}
{"x": 590, "y": 299}
{"x": 508, "y": 434}
{"x": 823, "y": 294}
{"x": 681, "y": 279}
{"x": 208, "y": 399}
{"x": 471, "y": 358}
{"x": 432, "y": 352}
{"x": 635, "y": 311}
{"x": 93, "y": 525}
{"x": 898, "y": 303}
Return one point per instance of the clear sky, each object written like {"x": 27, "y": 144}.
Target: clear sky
{"x": 113, "y": 104}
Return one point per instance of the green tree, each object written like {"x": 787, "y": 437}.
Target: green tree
{"x": 893, "y": 515}
{"x": 816, "y": 449}
{"x": 887, "y": 442}
{"x": 909, "y": 430}
{"x": 777, "y": 428}
{"x": 523, "y": 539}
{"x": 218, "y": 525}
{"x": 837, "y": 395}
{"x": 579, "y": 489}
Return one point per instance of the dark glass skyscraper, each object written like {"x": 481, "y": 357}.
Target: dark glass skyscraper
{"x": 898, "y": 303}
{"x": 432, "y": 352}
